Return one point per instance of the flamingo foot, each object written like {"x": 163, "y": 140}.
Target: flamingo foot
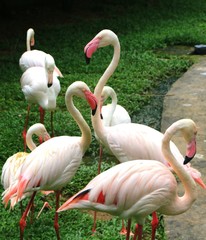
{"x": 124, "y": 230}
{"x": 46, "y": 205}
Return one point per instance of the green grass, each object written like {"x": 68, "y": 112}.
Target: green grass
{"x": 142, "y": 73}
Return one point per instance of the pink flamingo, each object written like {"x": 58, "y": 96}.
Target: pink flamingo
{"x": 41, "y": 87}
{"x": 127, "y": 141}
{"x": 137, "y": 188}
{"x": 52, "y": 165}
{"x": 11, "y": 168}
{"x": 34, "y": 58}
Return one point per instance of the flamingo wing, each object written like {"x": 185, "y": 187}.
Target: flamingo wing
{"x": 48, "y": 167}
{"x": 131, "y": 189}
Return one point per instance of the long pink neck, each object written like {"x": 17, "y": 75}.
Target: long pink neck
{"x": 96, "y": 120}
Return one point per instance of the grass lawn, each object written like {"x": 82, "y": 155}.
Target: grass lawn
{"x": 143, "y": 74}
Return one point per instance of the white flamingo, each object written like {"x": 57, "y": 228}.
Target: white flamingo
{"x": 52, "y": 165}
{"x": 113, "y": 113}
{"x": 34, "y": 58}
{"x": 127, "y": 141}
{"x": 41, "y": 87}
{"x": 137, "y": 188}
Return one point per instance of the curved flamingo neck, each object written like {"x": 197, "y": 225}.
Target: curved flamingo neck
{"x": 112, "y": 94}
{"x": 108, "y": 72}
{"x": 29, "y": 141}
{"x": 28, "y": 41}
{"x": 184, "y": 202}
{"x": 86, "y": 136}
{"x": 96, "y": 120}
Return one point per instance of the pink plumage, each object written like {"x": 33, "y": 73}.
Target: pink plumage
{"x": 53, "y": 163}
{"x": 137, "y": 188}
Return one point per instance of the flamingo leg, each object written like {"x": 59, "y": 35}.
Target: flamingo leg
{"x": 25, "y": 127}
{"x": 22, "y": 222}
{"x": 100, "y": 158}
{"x": 128, "y": 229}
{"x": 56, "y": 224}
{"x": 138, "y": 232}
{"x": 46, "y": 205}
{"x": 42, "y": 114}
{"x": 98, "y": 172}
{"x": 154, "y": 223}
{"x": 52, "y": 125}
{"x": 94, "y": 224}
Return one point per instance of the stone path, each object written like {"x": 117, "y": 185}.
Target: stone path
{"x": 187, "y": 99}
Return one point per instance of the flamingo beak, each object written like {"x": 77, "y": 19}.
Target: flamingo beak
{"x": 191, "y": 151}
{"x": 50, "y": 79}
{"x": 90, "y": 48}
{"x": 91, "y": 99}
{"x": 32, "y": 42}
{"x": 200, "y": 182}
{"x": 58, "y": 72}
{"x": 46, "y": 137}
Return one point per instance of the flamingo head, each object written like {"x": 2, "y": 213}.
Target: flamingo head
{"x": 102, "y": 39}
{"x": 189, "y": 132}
{"x": 49, "y": 66}
{"x": 92, "y": 100}
{"x": 80, "y": 89}
{"x": 30, "y": 38}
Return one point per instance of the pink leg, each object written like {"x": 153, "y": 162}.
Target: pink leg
{"x": 25, "y": 127}
{"x": 138, "y": 232}
{"x": 56, "y": 224}
{"x": 98, "y": 172}
{"x": 154, "y": 222}
{"x": 42, "y": 113}
{"x": 22, "y": 222}
{"x": 128, "y": 229}
{"x": 94, "y": 224}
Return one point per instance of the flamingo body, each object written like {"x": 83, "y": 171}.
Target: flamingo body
{"x": 54, "y": 163}
{"x": 127, "y": 141}
{"x": 137, "y": 188}
{"x": 12, "y": 167}
{"x": 34, "y": 84}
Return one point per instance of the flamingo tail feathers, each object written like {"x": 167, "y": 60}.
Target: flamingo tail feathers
{"x": 83, "y": 195}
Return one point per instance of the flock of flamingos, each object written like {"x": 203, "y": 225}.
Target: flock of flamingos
{"x": 131, "y": 189}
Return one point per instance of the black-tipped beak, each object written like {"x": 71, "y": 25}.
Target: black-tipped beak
{"x": 49, "y": 85}
{"x": 87, "y": 59}
{"x": 94, "y": 111}
{"x": 187, "y": 159}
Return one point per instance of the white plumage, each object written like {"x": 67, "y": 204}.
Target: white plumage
{"x": 34, "y": 58}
